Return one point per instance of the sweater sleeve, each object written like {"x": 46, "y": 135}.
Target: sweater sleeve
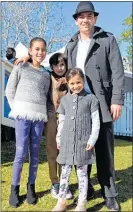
{"x": 95, "y": 128}
{"x": 12, "y": 85}
{"x": 118, "y": 78}
{"x": 47, "y": 83}
{"x": 60, "y": 127}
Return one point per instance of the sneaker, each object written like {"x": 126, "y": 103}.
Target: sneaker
{"x": 112, "y": 204}
{"x": 69, "y": 194}
{"x": 55, "y": 190}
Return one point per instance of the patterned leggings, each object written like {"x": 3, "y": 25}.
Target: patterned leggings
{"x": 82, "y": 181}
{"x": 28, "y": 134}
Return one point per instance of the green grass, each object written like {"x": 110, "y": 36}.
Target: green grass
{"x": 123, "y": 166}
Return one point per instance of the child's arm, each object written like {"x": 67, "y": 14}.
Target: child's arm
{"x": 94, "y": 107}
{"x": 60, "y": 127}
{"x": 12, "y": 85}
{"x": 61, "y": 111}
{"x": 95, "y": 130}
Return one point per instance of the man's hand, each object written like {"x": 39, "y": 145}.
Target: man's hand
{"x": 116, "y": 111}
{"x": 22, "y": 59}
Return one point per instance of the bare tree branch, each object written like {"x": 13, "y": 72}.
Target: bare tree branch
{"x": 21, "y": 21}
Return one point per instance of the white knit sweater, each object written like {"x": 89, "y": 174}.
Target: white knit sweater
{"x": 26, "y": 92}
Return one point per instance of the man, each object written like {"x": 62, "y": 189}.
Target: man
{"x": 96, "y": 52}
{"x": 11, "y": 55}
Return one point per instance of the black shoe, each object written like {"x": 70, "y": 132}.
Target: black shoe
{"x": 90, "y": 194}
{"x": 31, "y": 195}
{"x": 14, "y": 196}
{"x": 111, "y": 204}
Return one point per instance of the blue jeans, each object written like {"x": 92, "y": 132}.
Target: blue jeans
{"x": 28, "y": 134}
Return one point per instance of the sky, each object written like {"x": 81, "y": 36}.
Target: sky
{"x": 111, "y": 16}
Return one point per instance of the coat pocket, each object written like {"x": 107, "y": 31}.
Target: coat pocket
{"x": 107, "y": 86}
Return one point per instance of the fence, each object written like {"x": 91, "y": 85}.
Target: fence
{"x": 123, "y": 126}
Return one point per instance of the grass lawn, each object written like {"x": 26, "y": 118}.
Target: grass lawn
{"x": 123, "y": 166}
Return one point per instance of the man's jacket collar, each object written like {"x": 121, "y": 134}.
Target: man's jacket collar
{"x": 97, "y": 31}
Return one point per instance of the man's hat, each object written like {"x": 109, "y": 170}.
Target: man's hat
{"x": 85, "y": 6}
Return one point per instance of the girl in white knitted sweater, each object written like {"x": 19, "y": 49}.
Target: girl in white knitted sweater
{"x": 26, "y": 92}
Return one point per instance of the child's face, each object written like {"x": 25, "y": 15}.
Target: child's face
{"x": 38, "y": 51}
{"x": 76, "y": 84}
{"x": 60, "y": 68}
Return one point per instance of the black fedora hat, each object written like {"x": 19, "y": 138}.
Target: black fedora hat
{"x": 85, "y": 6}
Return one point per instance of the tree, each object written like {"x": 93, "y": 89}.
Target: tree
{"x": 21, "y": 21}
{"x": 126, "y": 35}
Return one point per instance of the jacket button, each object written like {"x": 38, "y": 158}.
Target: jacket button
{"x": 74, "y": 100}
{"x": 101, "y": 92}
{"x": 71, "y": 130}
{"x": 72, "y": 117}
{"x": 97, "y": 67}
{"x": 74, "y": 107}
{"x": 99, "y": 80}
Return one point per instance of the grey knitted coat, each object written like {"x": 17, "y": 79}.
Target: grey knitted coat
{"x": 77, "y": 128}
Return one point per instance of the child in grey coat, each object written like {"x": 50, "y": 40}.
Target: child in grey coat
{"x": 78, "y": 131}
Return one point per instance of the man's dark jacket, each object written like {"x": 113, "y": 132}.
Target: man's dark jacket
{"x": 103, "y": 68}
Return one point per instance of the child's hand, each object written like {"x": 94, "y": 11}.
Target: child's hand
{"x": 89, "y": 147}
{"x": 58, "y": 146}
{"x": 22, "y": 59}
{"x": 63, "y": 80}
{"x": 56, "y": 106}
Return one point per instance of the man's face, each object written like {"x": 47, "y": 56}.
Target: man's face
{"x": 86, "y": 21}
{"x": 60, "y": 68}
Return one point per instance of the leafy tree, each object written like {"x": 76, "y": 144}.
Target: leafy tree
{"x": 126, "y": 35}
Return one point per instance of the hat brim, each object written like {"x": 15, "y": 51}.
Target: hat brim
{"x": 77, "y": 14}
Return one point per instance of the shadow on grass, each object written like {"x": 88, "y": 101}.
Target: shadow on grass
{"x": 123, "y": 143}
{"x": 8, "y": 153}
{"x": 39, "y": 195}
{"x": 124, "y": 138}
{"x": 97, "y": 194}
{"x": 124, "y": 186}
{"x": 42, "y": 193}
{"x": 97, "y": 207}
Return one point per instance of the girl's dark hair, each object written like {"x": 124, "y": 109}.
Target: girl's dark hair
{"x": 54, "y": 59}
{"x": 74, "y": 71}
{"x": 37, "y": 39}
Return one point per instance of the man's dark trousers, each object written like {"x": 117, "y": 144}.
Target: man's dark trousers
{"x": 104, "y": 149}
